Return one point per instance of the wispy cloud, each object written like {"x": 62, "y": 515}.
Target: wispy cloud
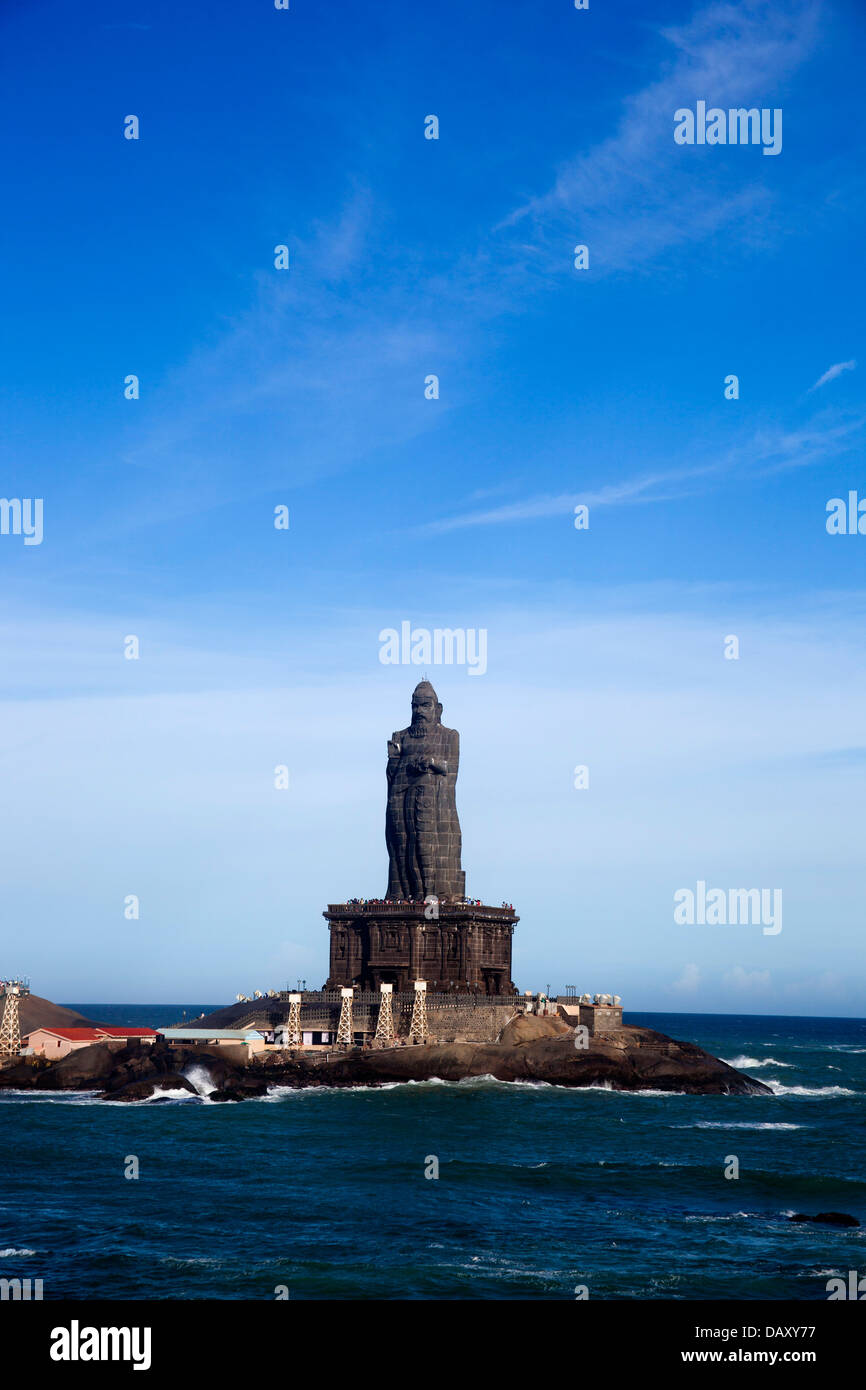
{"x": 832, "y": 372}
{"x": 766, "y": 451}
{"x": 634, "y": 195}
{"x": 654, "y": 487}
{"x": 309, "y": 380}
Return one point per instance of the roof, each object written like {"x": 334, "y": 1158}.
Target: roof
{"x": 202, "y": 1034}
{"x": 71, "y": 1034}
{"x": 111, "y": 1032}
{"x": 95, "y": 1034}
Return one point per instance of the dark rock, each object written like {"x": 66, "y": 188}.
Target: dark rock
{"x": 22, "y": 1073}
{"x": 143, "y": 1090}
{"x": 629, "y": 1059}
{"x": 241, "y": 1087}
{"x": 85, "y": 1069}
{"x": 830, "y": 1218}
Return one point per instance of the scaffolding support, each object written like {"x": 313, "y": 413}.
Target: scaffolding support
{"x": 10, "y": 1027}
{"x": 385, "y": 1022}
{"x": 293, "y": 1027}
{"x": 345, "y": 1031}
{"x": 418, "y": 1026}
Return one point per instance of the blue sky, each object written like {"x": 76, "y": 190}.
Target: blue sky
{"x": 306, "y": 388}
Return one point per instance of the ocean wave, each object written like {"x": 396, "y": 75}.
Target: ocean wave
{"x": 51, "y": 1097}
{"x": 183, "y": 1260}
{"x": 822, "y": 1092}
{"x": 11, "y": 1250}
{"x": 736, "y": 1124}
{"x": 734, "y": 1216}
{"x": 752, "y": 1062}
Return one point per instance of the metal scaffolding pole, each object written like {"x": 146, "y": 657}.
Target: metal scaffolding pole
{"x": 385, "y": 1022}
{"x": 10, "y": 1028}
{"x": 293, "y": 1027}
{"x": 418, "y": 1026}
{"x": 344, "y": 1031}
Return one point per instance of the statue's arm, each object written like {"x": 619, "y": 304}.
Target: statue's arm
{"x": 453, "y": 762}
{"x": 447, "y": 767}
{"x": 393, "y": 758}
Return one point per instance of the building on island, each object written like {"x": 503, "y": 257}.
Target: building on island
{"x": 59, "y": 1042}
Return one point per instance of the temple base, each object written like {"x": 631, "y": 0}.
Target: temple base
{"x": 461, "y": 949}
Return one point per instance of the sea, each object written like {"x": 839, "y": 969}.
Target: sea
{"x": 432, "y": 1190}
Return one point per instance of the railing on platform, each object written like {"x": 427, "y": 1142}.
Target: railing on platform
{"x": 383, "y": 909}
{"x": 457, "y": 1000}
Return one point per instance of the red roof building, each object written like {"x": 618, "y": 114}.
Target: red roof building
{"x": 109, "y": 1031}
{"x": 59, "y": 1042}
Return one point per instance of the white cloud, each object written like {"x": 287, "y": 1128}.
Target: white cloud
{"x": 832, "y": 372}
{"x": 689, "y": 979}
{"x": 747, "y": 981}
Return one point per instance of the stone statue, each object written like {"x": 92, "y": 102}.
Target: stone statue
{"x": 422, "y": 831}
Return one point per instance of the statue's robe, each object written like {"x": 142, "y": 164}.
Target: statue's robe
{"x": 422, "y": 831}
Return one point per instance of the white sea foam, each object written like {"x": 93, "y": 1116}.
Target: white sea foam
{"x": 175, "y": 1093}
{"x": 51, "y": 1097}
{"x": 822, "y": 1092}
{"x": 182, "y": 1260}
{"x": 752, "y": 1062}
{"x": 735, "y": 1216}
{"x": 735, "y": 1124}
{"x": 198, "y": 1075}
{"x": 11, "y": 1250}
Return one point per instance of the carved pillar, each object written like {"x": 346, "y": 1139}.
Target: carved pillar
{"x": 415, "y": 939}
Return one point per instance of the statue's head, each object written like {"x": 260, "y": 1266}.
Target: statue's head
{"x": 426, "y": 709}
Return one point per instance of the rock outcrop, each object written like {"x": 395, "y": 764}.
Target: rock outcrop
{"x": 529, "y": 1049}
{"x": 828, "y": 1218}
{"x": 146, "y": 1090}
{"x": 523, "y": 1028}
{"x": 631, "y": 1059}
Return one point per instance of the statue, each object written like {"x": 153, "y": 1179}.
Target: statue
{"x": 422, "y": 831}
{"x": 458, "y": 948}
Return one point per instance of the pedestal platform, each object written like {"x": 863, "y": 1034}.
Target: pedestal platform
{"x": 463, "y": 948}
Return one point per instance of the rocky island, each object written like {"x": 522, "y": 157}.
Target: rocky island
{"x": 529, "y": 1050}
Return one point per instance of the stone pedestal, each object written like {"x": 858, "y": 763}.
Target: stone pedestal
{"x": 460, "y": 950}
